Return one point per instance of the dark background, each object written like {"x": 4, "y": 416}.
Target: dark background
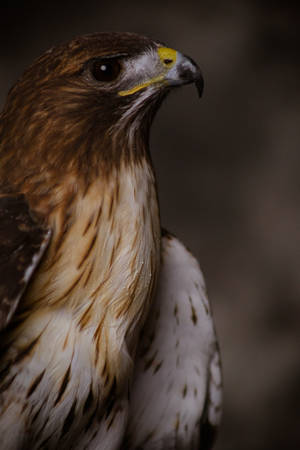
{"x": 228, "y": 172}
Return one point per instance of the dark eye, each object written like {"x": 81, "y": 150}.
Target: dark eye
{"x": 105, "y": 70}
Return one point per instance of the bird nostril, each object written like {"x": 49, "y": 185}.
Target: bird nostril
{"x": 168, "y": 61}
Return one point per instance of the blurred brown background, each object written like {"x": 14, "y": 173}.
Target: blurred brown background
{"x": 228, "y": 171}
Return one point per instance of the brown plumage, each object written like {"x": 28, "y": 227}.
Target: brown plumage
{"x": 74, "y": 156}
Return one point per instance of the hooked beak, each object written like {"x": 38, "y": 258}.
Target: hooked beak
{"x": 172, "y": 68}
{"x": 183, "y": 71}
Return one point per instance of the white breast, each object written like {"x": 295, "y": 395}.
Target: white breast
{"x": 172, "y": 373}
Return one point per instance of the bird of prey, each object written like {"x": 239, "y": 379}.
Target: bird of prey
{"x": 107, "y": 339}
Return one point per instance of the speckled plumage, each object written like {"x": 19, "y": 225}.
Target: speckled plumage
{"x": 83, "y": 254}
{"x": 176, "y": 398}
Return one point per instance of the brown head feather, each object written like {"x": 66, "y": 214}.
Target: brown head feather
{"x": 57, "y": 121}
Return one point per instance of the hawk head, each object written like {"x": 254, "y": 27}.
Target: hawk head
{"x": 81, "y": 105}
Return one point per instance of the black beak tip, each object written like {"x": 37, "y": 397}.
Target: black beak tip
{"x": 197, "y": 77}
{"x": 199, "y": 82}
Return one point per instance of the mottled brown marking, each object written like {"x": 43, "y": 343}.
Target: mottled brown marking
{"x": 110, "y": 209}
{"x": 69, "y": 419}
{"x": 125, "y": 306}
{"x": 111, "y": 398}
{"x": 110, "y": 422}
{"x": 24, "y": 407}
{"x": 177, "y": 422}
{"x": 71, "y": 288}
{"x": 99, "y": 287}
{"x": 149, "y": 437}
{"x": 117, "y": 190}
{"x": 7, "y": 383}
{"x": 151, "y": 337}
{"x": 175, "y": 310}
{"x": 85, "y": 190}
{"x": 54, "y": 260}
{"x": 206, "y": 308}
{"x": 103, "y": 372}
{"x": 27, "y": 350}
{"x": 93, "y": 436}
{"x": 65, "y": 341}
{"x": 150, "y": 361}
{"x": 144, "y": 214}
{"x": 98, "y": 216}
{"x": 97, "y": 336}
{"x": 86, "y": 316}
{"x": 61, "y": 236}
{"x": 112, "y": 255}
{"x": 37, "y": 413}
{"x": 106, "y": 379}
{"x": 176, "y": 313}
{"x": 195, "y": 392}
{"x": 88, "y": 225}
{"x": 193, "y": 314}
{"x": 92, "y": 418}
{"x": 157, "y": 367}
{"x": 118, "y": 241}
{"x": 133, "y": 262}
{"x": 88, "y": 251}
{"x": 44, "y": 443}
{"x": 90, "y": 271}
{"x": 63, "y": 385}
{"x": 149, "y": 341}
{"x": 35, "y": 383}
{"x": 136, "y": 237}
{"x": 89, "y": 400}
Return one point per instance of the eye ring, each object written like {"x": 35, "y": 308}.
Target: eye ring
{"x": 105, "y": 69}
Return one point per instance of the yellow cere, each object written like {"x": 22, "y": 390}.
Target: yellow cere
{"x": 168, "y": 57}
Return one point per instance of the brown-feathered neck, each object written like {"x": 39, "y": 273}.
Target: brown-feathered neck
{"x": 62, "y": 132}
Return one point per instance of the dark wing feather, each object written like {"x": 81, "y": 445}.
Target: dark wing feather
{"x": 23, "y": 241}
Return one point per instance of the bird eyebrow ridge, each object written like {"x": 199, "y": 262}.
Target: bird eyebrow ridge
{"x": 108, "y": 57}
